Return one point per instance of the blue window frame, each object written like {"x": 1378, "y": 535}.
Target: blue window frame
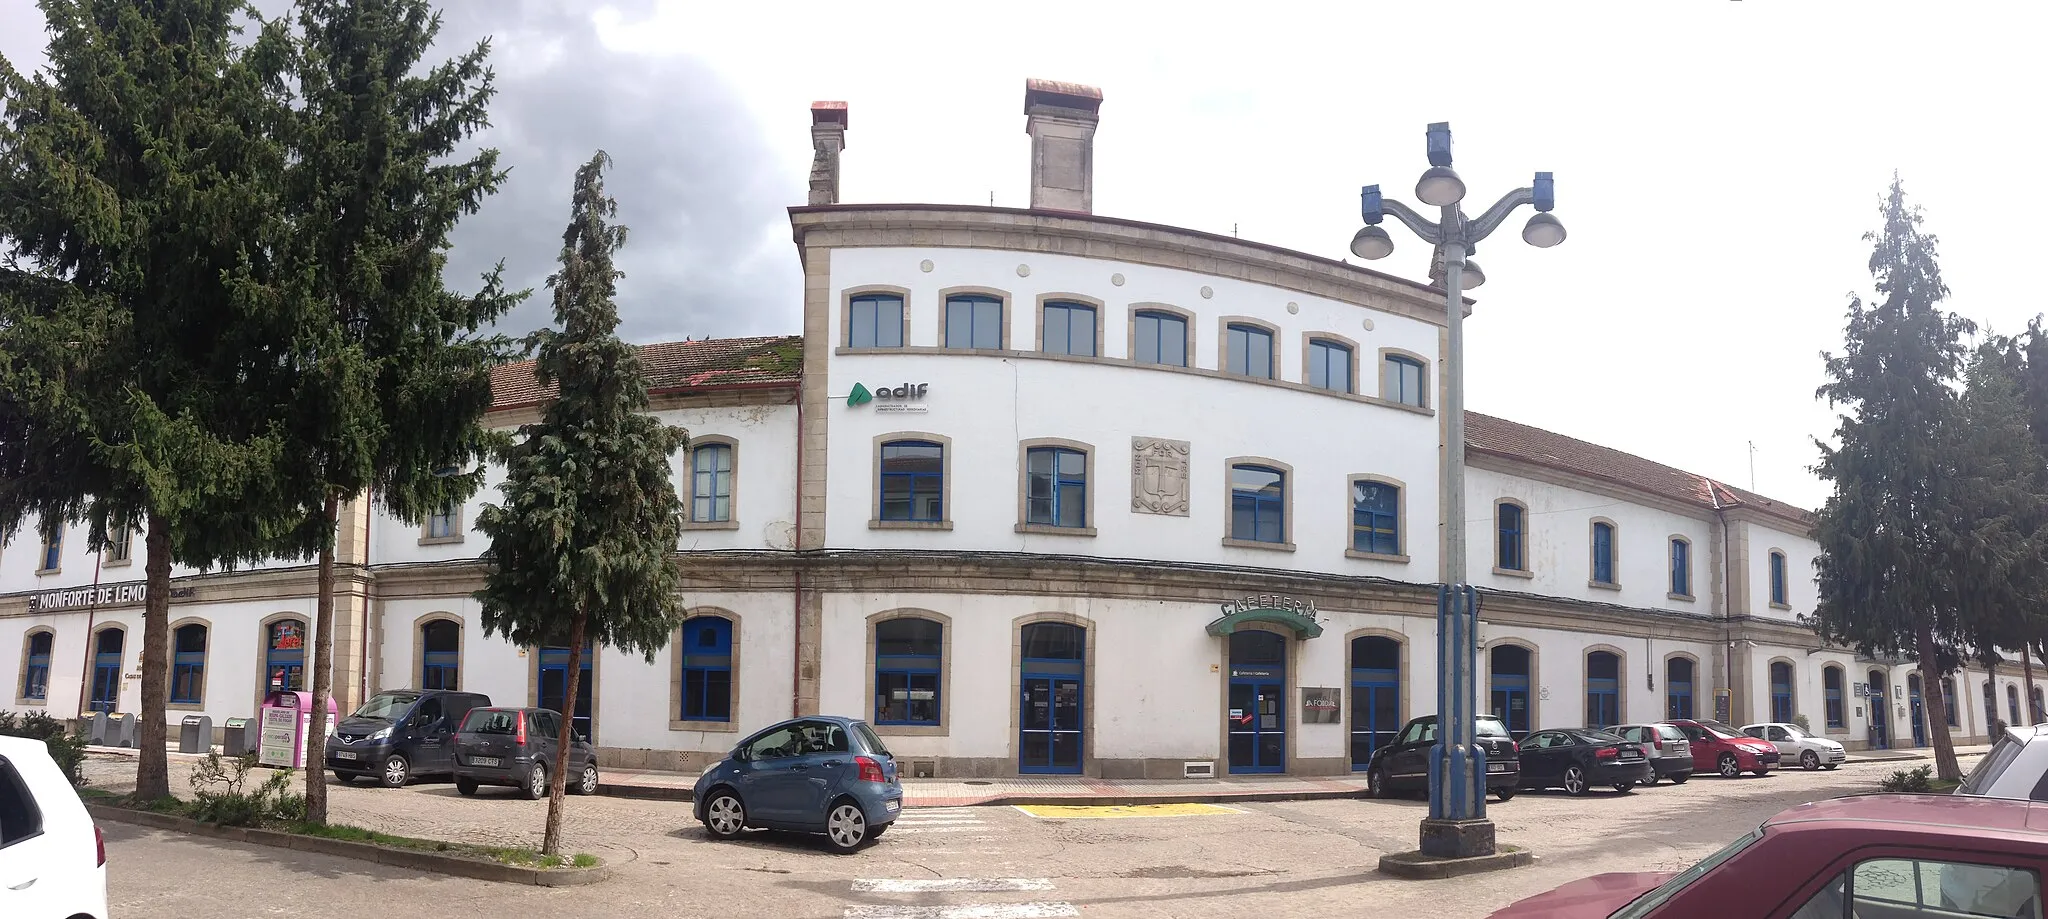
{"x": 1831, "y": 690}
{"x": 35, "y": 675}
{"x": 188, "y": 665}
{"x": 1603, "y": 553}
{"x": 908, "y": 662}
{"x": 1678, "y": 677}
{"x": 707, "y": 669}
{"x": 1160, "y": 338}
{"x": 1681, "y": 567}
{"x": 913, "y": 481}
{"x": 1248, "y": 351}
{"x": 53, "y": 552}
{"x": 1401, "y": 380}
{"x": 1329, "y": 365}
{"x": 1603, "y": 689}
{"x": 1056, "y": 487}
{"x": 441, "y": 523}
{"x": 874, "y": 321}
{"x": 284, "y": 655}
{"x": 440, "y": 654}
{"x": 974, "y": 321}
{"x": 1375, "y": 517}
{"x": 106, "y": 669}
{"x": 1375, "y": 696}
{"x": 1778, "y": 578}
{"x": 1781, "y": 692}
{"x": 1258, "y": 504}
{"x": 1509, "y": 524}
{"x": 711, "y": 483}
{"x": 1051, "y": 704}
{"x": 1067, "y": 328}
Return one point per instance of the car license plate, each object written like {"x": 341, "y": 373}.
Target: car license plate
{"x": 345, "y": 754}
{"x": 893, "y": 805}
{"x": 486, "y": 761}
{"x": 1496, "y": 767}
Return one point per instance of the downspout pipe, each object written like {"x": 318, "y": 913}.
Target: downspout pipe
{"x": 796, "y": 597}
{"x": 1727, "y": 594}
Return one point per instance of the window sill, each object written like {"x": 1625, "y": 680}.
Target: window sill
{"x": 1843, "y": 731}
{"x": 1375, "y": 556}
{"x": 117, "y": 563}
{"x": 1686, "y": 597}
{"x": 909, "y": 730}
{"x": 184, "y": 706}
{"x": 36, "y": 703}
{"x": 1255, "y": 544}
{"x": 1046, "y": 529}
{"x": 1782, "y": 606}
{"x": 709, "y": 727}
{"x": 1603, "y": 585}
{"x": 711, "y": 524}
{"x": 43, "y": 572}
{"x": 1514, "y": 572}
{"x": 910, "y": 524}
{"x": 440, "y": 540}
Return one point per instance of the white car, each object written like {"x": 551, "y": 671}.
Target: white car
{"x": 53, "y": 860}
{"x": 1795, "y": 745}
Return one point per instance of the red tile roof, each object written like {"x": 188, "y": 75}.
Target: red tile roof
{"x": 712, "y": 363}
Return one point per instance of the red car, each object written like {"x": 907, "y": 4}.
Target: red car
{"x": 1718, "y": 748}
{"x": 1868, "y": 856}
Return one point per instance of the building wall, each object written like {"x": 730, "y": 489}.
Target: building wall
{"x": 1558, "y": 541}
{"x": 1802, "y": 591}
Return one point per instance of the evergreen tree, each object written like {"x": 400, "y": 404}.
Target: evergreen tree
{"x": 583, "y": 548}
{"x": 396, "y": 376}
{"x": 1885, "y": 588}
{"x": 139, "y": 360}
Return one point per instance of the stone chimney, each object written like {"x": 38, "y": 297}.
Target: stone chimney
{"x": 1061, "y": 119}
{"x": 828, "y": 137}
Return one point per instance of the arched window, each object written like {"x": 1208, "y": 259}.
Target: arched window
{"x": 1510, "y": 683}
{"x": 1781, "y": 692}
{"x": 1678, "y": 677}
{"x": 1375, "y": 695}
{"x": 2038, "y": 708}
{"x": 974, "y": 321}
{"x": 1248, "y": 350}
{"x": 188, "y": 665}
{"x": 1990, "y": 706}
{"x": 707, "y": 669}
{"x": 1509, "y": 522}
{"x": 2012, "y": 704}
{"x": 108, "y": 646}
{"x": 711, "y": 483}
{"x": 35, "y": 665}
{"x": 913, "y": 481}
{"x": 1603, "y": 689}
{"x": 1603, "y": 552}
{"x": 1948, "y": 696}
{"x": 284, "y": 655}
{"x": 1402, "y": 380}
{"x": 440, "y": 654}
{"x": 1329, "y": 365}
{"x": 1258, "y": 504}
{"x": 1778, "y": 592}
{"x": 1375, "y": 517}
{"x": 1831, "y": 688}
{"x": 1159, "y": 337}
{"x": 909, "y": 655}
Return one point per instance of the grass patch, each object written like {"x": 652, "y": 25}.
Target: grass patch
{"x": 585, "y": 860}
{"x": 96, "y": 794}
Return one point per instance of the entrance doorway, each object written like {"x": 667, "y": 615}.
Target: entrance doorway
{"x": 1257, "y": 712}
{"x": 1603, "y": 689}
{"x": 284, "y": 655}
{"x": 1375, "y": 695}
{"x": 1051, "y": 687}
{"x": 1880, "y": 712}
{"x": 1678, "y": 673}
{"x": 554, "y": 688}
{"x": 106, "y": 670}
{"x": 1509, "y": 666}
{"x": 1918, "y": 709}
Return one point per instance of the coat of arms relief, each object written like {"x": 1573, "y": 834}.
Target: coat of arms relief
{"x": 1159, "y": 476}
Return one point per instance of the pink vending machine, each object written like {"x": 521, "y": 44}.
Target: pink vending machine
{"x": 284, "y": 724}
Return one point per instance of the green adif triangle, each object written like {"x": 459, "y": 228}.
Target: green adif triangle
{"x": 859, "y": 395}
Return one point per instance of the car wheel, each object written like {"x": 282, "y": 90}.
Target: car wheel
{"x": 1504, "y": 793}
{"x": 725, "y": 816}
{"x": 396, "y": 771}
{"x": 1652, "y": 780}
{"x": 586, "y": 781}
{"x": 1809, "y": 761}
{"x": 1728, "y": 767}
{"x": 465, "y": 786}
{"x": 536, "y": 783}
{"x": 1574, "y": 780}
{"x": 1624, "y": 787}
{"x": 846, "y": 827}
{"x": 1376, "y": 783}
{"x": 1678, "y": 778}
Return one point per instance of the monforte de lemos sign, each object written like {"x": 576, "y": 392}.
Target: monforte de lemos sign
{"x": 124, "y": 594}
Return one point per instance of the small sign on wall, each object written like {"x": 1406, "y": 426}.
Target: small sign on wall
{"x": 1321, "y": 705}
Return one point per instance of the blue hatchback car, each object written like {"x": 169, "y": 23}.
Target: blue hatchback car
{"x": 820, "y": 774}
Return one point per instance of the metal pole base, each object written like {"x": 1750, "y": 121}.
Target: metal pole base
{"x": 1457, "y": 838}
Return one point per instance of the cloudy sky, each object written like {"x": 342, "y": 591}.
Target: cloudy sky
{"x": 1717, "y": 164}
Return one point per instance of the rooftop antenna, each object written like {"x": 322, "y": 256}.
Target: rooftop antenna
{"x": 1752, "y": 465}
{"x": 1233, "y": 230}
{"x": 991, "y": 197}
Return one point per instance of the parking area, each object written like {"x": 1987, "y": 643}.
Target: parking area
{"x": 1297, "y": 858}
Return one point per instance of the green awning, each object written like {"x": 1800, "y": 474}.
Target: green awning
{"x": 1303, "y": 626}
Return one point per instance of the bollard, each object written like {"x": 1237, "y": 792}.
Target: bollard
{"x": 195, "y": 734}
{"x": 121, "y": 728}
{"x": 98, "y": 736}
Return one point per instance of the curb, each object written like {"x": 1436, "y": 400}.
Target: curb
{"x": 362, "y": 851}
{"x": 666, "y": 793}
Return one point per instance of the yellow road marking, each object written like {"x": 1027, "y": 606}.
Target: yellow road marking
{"x": 1096, "y": 812}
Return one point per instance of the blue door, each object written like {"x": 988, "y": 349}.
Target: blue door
{"x": 106, "y": 670}
{"x": 1257, "y": 706}
{"x": 554, "y": 688}
{"x": 1880, "y": 716}
{"x": 1919, "y": 711}
{"x": 1375, "y": 696}
{"x": 1051, "y": 692}
{"x": 1508, "y": 680}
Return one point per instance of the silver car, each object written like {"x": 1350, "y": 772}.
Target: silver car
{"x": 2016, "y": 767}
{"x": 1795, "y": 745}
{"x": 1670, "y": 753}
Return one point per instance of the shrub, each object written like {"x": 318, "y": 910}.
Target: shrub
{"x": 1909, "y": 780}
{"x": 1800, "y": 719}
{"x": 66, "y": 747}
{"x": 218, "y": 796}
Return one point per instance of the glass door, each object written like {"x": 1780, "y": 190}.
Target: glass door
{"x": 554, "y": 688}
{"x": 106, "y": 671}
{"x": 1049, "y": 726}
{"x": 1375, "y": 719}
{"x": 1258, "y": 735}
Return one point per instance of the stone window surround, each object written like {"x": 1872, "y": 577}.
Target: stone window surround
{"x": 1038, "y": 319}
{"x": 1783, "y": 563}
{"x": 1592, "y": 562}
{"x": 1308, "y": 341}
{"x": 1527, "y": 570}
{"x": 1187, "y": 324}
{"x": 263, "y": 651}
{"x": 1091, "y": 487}
{"x": 945, "y": 521}
{"x": 457, "y": 527}
{"x": 1401, "y": 694}
{"x": 1535, "y": 691}
{"x": 43, "y": 554}
{"x": 846, "y": 298}
{"x": 109, "y": 560}
{"x": 1620, "y": 675}
{"x": 946, "y": 296}
{"x": 419, "y": 645}
{"x": 205, "y": 666}
{"x": 1400, "y": 519}
{"x": 92, "y": 653}
{"x": 1088, "y": 690}
{"x": 1427, "y": 379}
{"x": 1223, "y": 324}
{"x": 1287, "y": 489}
{"x": 945, "y": 675}
{"x": 1842, "y": 681}
{"x": 21, "y": 672}
{"x": 1289, "y": 714}
{"x": 1677, "y": 538}
{"x": 731, "y": 724}
{"x": 1791, "y": 684}
{"x": 689, "y": 490}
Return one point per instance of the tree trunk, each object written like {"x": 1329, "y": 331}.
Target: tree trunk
{"x": 558, "y": 778}
{"x": 152, "y": 767}
{"x": 323, "y": 675}
{"x": 1991, "y": 719}
{"x": 1945, "y": 766}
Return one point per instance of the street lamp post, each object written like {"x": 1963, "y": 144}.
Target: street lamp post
{"x": 1456, "y": 826}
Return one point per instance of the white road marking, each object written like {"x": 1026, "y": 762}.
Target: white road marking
{"x": 936, "y": 829}
{"x": 902, "y": 822}
{"x": 1044, "y": 910}
{"x": 949, "y": 885}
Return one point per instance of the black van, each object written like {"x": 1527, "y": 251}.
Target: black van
{"x": 399, "y": 734}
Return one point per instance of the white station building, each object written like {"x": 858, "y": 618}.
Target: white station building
{"x": 1039, "y": 491}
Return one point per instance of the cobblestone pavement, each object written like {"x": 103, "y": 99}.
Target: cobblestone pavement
{"x": 1302, "y": 858}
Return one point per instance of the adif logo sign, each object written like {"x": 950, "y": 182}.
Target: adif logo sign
{"x": 859, "y": 396}
{"x": 907, "y": 397}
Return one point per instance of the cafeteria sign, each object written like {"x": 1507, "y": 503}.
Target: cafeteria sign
{"x": 1299, "y": 615}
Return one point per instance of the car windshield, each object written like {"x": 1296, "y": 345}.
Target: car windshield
{"x": 1723, "y": 731}
{"x": 1670, "y": 732}
{"x": 1601, "y": 735}
{"x": 1641, "y": 906}
{"x": 386, "y": 706}
{"x": 1491, "y": 727}
{"x": 490, "y": 721}
{"x": 1988, "y": 769}
{"x": 1796, "y": 733}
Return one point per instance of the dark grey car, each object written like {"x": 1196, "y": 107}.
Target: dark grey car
{"x": 516, "y": 747}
